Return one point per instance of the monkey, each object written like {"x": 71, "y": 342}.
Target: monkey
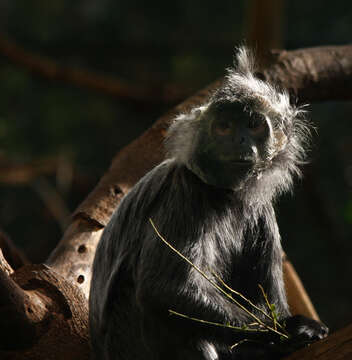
{"x": 212, "y": 198}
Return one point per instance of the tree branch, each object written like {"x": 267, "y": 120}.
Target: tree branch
{"x": 12, "y": 173}
{"x": 19, "y": 313}
{"x": 42, "y": 315}
{"x": 297, "y": 296}
{"x": 313, "y": 74}
{"x": 51, "y": 70}
{"x": 5, "y": 267}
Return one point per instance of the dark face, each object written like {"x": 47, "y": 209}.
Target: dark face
{"x": 232, "y": 144}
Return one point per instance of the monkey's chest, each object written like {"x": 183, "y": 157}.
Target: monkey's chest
{"x": 249, "y": 270}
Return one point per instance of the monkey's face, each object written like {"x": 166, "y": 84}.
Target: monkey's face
{"x": 234, "y": 144}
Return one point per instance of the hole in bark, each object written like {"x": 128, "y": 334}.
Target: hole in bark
{"x": 80, "y": 279}
{"x": 82, "y": 249}
{"x": 29, "y": 310}
{"x": 117, "y": 190}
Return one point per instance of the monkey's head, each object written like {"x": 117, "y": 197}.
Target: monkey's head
{"x": 247, "y": 134}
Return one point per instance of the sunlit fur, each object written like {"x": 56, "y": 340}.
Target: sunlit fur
{"x": 241, "y": 85}
{"x": 137, "y": 279}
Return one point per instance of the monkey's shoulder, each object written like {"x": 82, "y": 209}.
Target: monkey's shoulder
{"x": 168, "y": 183}
{"x": 171, "y": 193}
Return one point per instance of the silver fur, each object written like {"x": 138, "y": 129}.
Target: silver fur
{"x": 241, "y": 85}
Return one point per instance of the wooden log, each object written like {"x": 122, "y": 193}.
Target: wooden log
{"x": 43, "y": 316}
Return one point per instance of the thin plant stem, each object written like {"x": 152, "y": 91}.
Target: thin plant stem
{"x": 241, "y": 296}
{"x": 236, "y": 328}
{"x": 273, "y": 316}
{"x": 244, "y": 341}
{"x": 221, "y": 290}
{"x": 239, "y": 343}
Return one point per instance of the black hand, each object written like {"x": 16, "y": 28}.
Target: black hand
{"x": 305, "y": 330}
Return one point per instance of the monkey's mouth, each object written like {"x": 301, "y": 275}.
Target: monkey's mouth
{"x": 243, "y": 162}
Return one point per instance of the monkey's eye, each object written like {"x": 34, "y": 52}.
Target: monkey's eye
{"x": 222, "y": 128}
{"x": 256, "y": 123}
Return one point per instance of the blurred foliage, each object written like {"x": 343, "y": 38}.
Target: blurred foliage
{"x": 187, "y": 45}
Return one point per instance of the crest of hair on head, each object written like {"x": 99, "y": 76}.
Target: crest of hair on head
{"x": 242, "y": 85}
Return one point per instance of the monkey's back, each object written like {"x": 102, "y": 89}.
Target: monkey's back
{"x": 113, "y": 315}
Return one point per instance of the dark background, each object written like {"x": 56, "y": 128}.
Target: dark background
{"x": 172, "y": 49}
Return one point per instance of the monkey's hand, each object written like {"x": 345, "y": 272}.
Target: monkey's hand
{"x": 302, "y": 331}
{"x": 305, "y": 330}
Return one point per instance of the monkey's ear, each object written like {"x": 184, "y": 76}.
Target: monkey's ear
{"x": 280, "y": 140}
{"x": 197, "y": 112}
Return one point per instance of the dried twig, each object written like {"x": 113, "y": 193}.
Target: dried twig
{"x": 271, "y": 307}
{"x": 220, "y": 289}
{"x": 228, "y": 326}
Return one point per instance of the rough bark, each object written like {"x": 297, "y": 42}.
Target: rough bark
{"x": 314, "y": 74}
{"x": 5, "y": 267}
{"x": 43, "y": 316}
